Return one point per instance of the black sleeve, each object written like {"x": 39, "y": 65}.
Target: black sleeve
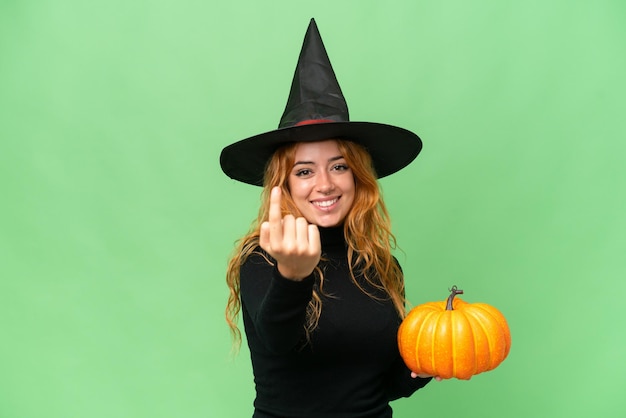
{"x": 400, "y": 383}
{"x": 276, "y": 306}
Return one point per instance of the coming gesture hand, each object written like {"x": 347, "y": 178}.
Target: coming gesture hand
{"x": 292, "y": 242}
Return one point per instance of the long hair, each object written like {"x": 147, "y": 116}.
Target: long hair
{"x": 367, "y": 230}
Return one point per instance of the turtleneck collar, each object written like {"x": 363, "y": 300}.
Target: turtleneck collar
{"x": 332, "y": 238}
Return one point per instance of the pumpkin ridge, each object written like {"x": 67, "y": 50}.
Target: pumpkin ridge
{"x": 427, "y": 319}
{"x": 433, "y": 341}
{"x": 502, "y": 326}
{"x": 477, "y": 322}
{"x": 418, "y": 338}
{"x": 472, "y": 334}
{"x": 482, "y": 317}
{"x": 444, "y": 357}
{"x": 453, "y": 321}
{"x": 499, "y": 319}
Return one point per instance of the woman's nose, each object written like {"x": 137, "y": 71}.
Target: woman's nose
{"x": 325, "y": 183}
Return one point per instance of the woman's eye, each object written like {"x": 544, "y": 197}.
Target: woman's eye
{"x": 340, "y": 167}
{"x": 303, "y": 172}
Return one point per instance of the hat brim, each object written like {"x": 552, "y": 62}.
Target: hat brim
{"x": 391, "y": 148}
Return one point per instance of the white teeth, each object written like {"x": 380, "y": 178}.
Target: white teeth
{"x": 325, "y": 203}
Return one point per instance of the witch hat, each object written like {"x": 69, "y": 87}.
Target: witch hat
{"x": 317, "y": 110}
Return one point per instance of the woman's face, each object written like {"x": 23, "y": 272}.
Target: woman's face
{"x": 321, "y": 183}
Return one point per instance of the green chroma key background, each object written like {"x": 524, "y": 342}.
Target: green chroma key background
{"x": 116, "y": 221}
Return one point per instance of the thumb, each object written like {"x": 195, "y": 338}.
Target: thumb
{"x": 264, "y": 236}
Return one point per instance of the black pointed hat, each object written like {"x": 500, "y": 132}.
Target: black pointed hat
{"x": 316, "y": 110}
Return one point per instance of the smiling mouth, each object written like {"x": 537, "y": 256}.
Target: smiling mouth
{"x": 324, "y": 204}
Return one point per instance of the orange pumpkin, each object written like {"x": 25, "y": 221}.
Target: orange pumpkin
{"x": 454, "y": 338}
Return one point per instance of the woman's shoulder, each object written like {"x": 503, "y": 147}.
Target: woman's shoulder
{"x": 258, "y": 256}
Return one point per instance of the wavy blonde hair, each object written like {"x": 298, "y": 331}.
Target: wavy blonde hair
{"x": 367, "y": 230}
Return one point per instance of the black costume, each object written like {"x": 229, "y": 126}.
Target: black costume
{"x": 350, "y": 367}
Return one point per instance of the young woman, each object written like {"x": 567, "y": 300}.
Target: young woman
{"x": 315, "y": 280}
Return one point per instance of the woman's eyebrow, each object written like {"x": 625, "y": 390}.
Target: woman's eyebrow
{"x": 330, "y": 160}
{"x": 303, "y": 163}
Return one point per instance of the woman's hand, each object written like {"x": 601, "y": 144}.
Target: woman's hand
{"x": 424, "y": 376}
{"x": 292, "y": 242}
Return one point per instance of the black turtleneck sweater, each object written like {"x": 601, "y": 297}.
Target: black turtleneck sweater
{"x": 350, "y": 367}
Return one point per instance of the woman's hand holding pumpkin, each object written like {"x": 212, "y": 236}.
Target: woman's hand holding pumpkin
{"x": 424, "y": 376}
{"x": 292, "y": 242}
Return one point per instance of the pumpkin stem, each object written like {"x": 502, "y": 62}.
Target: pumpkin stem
{"x": 453, "y": 292}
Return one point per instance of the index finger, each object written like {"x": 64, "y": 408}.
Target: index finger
{"x": 275, "y": 213}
